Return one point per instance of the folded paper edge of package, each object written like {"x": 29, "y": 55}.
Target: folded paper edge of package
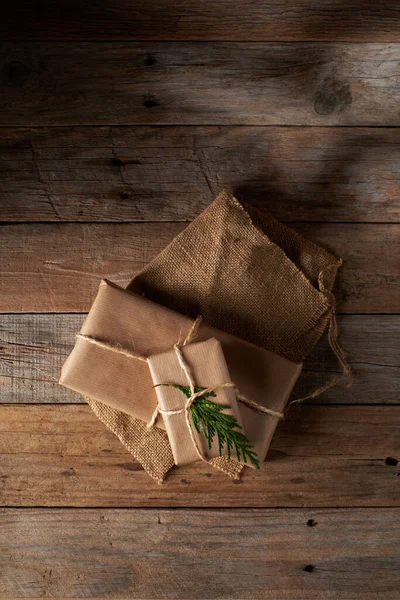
{"x": 122, "y": 317}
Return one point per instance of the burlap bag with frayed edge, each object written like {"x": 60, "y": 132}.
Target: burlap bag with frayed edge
{"x": 248, "y": 275}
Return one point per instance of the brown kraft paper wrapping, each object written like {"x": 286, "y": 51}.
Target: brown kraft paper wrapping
{"x": 114, "y": 382}
{"x": 209, "y": 369}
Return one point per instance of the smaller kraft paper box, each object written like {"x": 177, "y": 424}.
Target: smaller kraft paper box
{"x": 209, "y": 370}
{"x": 132, "y": 323}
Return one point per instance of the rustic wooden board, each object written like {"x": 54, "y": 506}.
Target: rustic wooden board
{"x": 33, "y": 348}
{"x": 358, "y": 20}
{"x": 54, "y": 453}
{"x": 271, "y": 554}
{"x": 58, "y": 455}
{"x": 57, "y": 267}
{"x": 172, "y": 173}
{"x": 199, "y": 83}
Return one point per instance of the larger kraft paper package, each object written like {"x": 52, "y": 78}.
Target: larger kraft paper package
{"x": 247, "y": 275}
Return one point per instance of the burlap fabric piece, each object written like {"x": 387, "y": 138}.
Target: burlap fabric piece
{"x": 150, "y": 446}
{"x": 246, "y": 274}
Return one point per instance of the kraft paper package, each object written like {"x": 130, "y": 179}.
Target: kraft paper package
{"x": 209, "y": 369}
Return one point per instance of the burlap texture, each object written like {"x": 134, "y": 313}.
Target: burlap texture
{"x": 246, "y": 274}
{"x": 149, "y": 446}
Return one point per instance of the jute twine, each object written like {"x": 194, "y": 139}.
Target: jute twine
{"x": 333, "y": 335}
{"x": 190, "y": 379}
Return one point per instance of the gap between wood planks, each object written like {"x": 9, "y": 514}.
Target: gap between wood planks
{"x": 306, "y": 509}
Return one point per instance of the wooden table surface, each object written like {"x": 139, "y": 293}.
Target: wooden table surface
{"x": 119, "y": 123}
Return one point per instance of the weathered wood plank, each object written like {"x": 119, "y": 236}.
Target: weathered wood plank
{"x": 57, "y": 267}
{"x": 33, "y": 348}
{"x": 172, "y": 173}
{"x": 199, "y": 83}
{"x": 358, "y": 20}
{"x": 372, "y": 344}
{"x": 50, "y": 267}
{"x": 270, "y": 554}
{"x": 58, "y": 455}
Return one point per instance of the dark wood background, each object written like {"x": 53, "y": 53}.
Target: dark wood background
{"x": 119, "y": 123}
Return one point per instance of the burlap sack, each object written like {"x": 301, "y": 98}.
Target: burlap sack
{"x": 248, "y": 275}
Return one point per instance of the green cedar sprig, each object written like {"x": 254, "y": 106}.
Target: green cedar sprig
{"x": 210, "y": 420}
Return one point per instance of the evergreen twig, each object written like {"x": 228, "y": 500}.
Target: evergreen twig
{"x": 210, "y": 420}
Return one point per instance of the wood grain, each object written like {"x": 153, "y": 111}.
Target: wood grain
{"x": 58, "y": 267}
{"x": 61, "y": 455}
{"x": 234, "y": 85}
{"x": 172, "y": 173}
{"x": 199, "y": 83}
{"x": 270, "y": 554}
{"x": 358, "y": 20}
{"x": 50, "y": 267}
{"x": 33, "y": 348}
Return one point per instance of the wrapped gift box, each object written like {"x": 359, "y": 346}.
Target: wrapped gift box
{"x": 209, "y": 369}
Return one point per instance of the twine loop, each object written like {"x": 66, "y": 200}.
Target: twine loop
{"x": 333, "y": 336}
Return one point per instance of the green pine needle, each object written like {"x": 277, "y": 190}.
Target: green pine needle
{"x": 210, "y": 420}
